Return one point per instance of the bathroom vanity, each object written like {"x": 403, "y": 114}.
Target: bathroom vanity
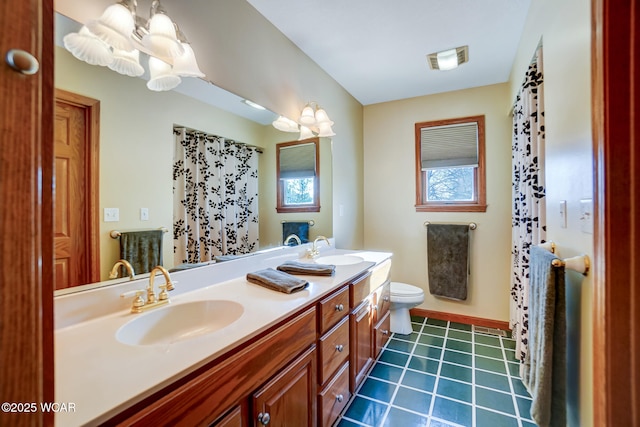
{"x": 288, "y": 359}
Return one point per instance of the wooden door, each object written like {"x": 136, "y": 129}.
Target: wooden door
{"x": 76, "y": 190}
{"x": 361, "y": 343}
{"x": 289, "y": 399}
{"x": 26, "y": 215}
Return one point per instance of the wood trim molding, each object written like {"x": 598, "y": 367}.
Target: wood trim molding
{"x": 459, "y": 318}
{"x": 280, "y": 205}
{"x": 616, "y": 142}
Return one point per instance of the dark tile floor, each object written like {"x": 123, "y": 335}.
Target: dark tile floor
{"x": 443, "y": 374}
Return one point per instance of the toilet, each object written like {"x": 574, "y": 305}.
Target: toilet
{"x": 403, "y": 297}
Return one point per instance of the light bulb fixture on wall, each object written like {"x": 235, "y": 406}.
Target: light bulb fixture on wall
{"x": 313, "y": 121}
{"x": 118, "y": 36}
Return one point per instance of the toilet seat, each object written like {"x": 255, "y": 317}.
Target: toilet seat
{"x": 405, "y": 293}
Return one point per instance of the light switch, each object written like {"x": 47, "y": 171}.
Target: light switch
{"x": 144, "y": 214}
{"x": 586, "y": 216}
{"x": 563, "y": 214}
{"x": 111, "y": 214}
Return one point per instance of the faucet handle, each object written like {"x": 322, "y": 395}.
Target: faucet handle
{"x": 138, "y": 301}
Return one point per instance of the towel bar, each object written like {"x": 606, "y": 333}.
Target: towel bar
{"x": 472, "y": 225}
{"x": 115, "y": 233}
{"x": 310, "y": 222}
{"x": 580, "y": 263}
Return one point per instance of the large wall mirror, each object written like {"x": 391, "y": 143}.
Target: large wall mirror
{"x": 136, "y": 151}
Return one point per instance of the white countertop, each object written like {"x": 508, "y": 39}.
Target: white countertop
{"x": 102, "y": 376}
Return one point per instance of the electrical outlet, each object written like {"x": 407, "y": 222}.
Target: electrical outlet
{"x": 111, "y": 214}
{"x": 144, "y": 214}
{"x": 586, "y": 216}
{"x": 563, "y": 214}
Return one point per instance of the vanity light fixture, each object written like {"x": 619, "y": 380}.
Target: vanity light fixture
{"x": 118, "y": 36}
{"x": 448, "y": 59}
{"x": 313, "y": 121}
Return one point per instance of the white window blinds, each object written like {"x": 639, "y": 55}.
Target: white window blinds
{"x": 298, "y": 161}
{"x": 449, "y": 146}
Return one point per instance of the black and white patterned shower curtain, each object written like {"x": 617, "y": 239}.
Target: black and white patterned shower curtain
{"x": 528, "y": 191}
{"x": 215, "y": 193}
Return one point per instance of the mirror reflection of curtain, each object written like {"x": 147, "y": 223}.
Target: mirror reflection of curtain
{"x": 528, "y": 193}
{"x": 215, "y": 197}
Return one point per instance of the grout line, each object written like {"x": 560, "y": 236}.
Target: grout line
{"x": 513, "y": 393}
{"x": 473, "y": 380}
{"x": 435, "y": 384}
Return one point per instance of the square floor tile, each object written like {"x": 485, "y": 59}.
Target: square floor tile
{"x": 417, "y": 319}
{"x": 398, "y": 417}
{"x": 508, "y": 343}
{"x": 434, "y": 330}
{"x": 413, "y": 400}
{"x": 491, "y": 399}
{"x": 485, "y": 350}
{"x": 493, "y": 365}
{"x": 449, "y": 410}
{"x": 495, "y": 381}
{"x": 526, "y": 423}
{"x": 418, "y": 380}
{"x": 454, "y": 389}
{"x": 347, "y": 423}
{"x": 519, "y": 388}
{"x": 431, "y": 340}
{"x": 412, "y": 337}
{"x": 424, "y": 365}
{"x": 487, "y": 340}
{"x": 427, "y": 351}
{"x": 458, "y": 345}
{"x": 524, "y": 406}
{"x": 378, "y": 390}
{"x": 394, "y": 358}
{"x": 398, "y": 345}
{"x": 438, "y": 423}
{"x": 457, "y": 357}
{"x": 437, "y": 322}
{"x": 366, "y": 411}
{"x": 459, "y": 335}
{"x": 455, "y": 372}
{"x": 386, "y": 372}
{"x": 511, "y": 355}
{"x": 417, "y": 327}
{"x": 460, "y": 326}
{"x": 514, "y": 369}
{"x": 493, "y": 419}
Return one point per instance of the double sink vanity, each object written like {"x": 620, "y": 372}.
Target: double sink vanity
{"x": 224, "y": 351}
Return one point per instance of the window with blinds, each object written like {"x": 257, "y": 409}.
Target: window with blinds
{"x": 450, "y": 172}
{"x": 298, "y": 176}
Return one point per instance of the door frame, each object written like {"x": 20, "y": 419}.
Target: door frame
{"x": 92, "y": 178}
{"x": 616, "y": 150}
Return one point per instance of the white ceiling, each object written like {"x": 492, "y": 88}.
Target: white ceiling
{"x": 376, "y": 49}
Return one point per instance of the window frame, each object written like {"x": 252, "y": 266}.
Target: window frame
{"x": 480, "y": 186}
{"x": 281, "y": 207}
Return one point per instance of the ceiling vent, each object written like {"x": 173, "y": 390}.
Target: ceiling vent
{"x": 448, "y": 59}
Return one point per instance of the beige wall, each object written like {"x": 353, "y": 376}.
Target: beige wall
{"x": 391, "y": 221}
{"x": 565, "y": 30}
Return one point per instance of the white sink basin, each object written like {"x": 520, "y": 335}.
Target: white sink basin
{"x": 173, "y": 323}
{"x": 339, "y": 259}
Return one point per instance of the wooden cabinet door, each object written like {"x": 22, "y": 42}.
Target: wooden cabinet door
{"x": 361, "y": 343}
{"x": 237, "y": 417}
{"x": 289, "y": 399}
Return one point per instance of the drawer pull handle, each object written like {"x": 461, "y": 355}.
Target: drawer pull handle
{"x": 339, "y": 398}
{"x": 385, "y": 332}
{"x": 264, "y": 418}
{"x": 339, "y": 307}
{"x": 340, "y": 347}
{"x": 385, "y": 298}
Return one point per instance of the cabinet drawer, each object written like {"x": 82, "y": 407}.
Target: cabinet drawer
{"x": 334, "y": 397}
{"x": 333, "y": 308}
{"x": 381, "y": 333}
{"x": 359, "y": 290}
{"x": 334, "y": 349}
{"x": 383, "y": 300}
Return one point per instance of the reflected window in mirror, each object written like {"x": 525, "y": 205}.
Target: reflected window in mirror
{"x": 450, "y": 171}
{"x": 298, "y": 176}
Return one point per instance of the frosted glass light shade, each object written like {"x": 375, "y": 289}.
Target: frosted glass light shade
{"x": 185, "y": 65}
{"x": 162, "y": 77}
{"x": 127, "y": 63}
{"x": 285, "y": 124}
{"x": 322, "y": 117}
{"x": 325, "y": 130}
{"x": 307, "y": 117}
{"x": 305, "y": 133}
{"x": 87, "y": 47}
{"x": 115, "y": 27}
{"x": 161, "y": 38}
{"x": 448, "y": 59}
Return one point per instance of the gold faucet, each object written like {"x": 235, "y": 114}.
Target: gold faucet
{"x": 125, "y": 264}
{"x": 294, "y": 237}
{"x": 140, "y": 305}
{"x": 314, "y": 251}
